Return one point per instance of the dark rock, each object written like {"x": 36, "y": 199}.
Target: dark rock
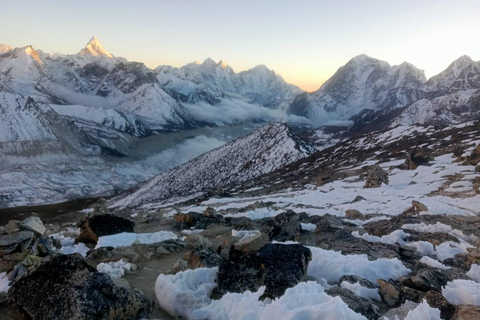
{"x": 203, "y": 258}
{"x": 356, "y": 279}
{"x": 285, "y": 266}
{"x": 427, "y": 279}
{"x": 375, "y": 177}
{"x": 358, "y": 198}
{"x": 390, "y": 293}
{"x": 436, "y": 300}
{"x": 276, "y": 266}
{"x": 66, "y": 287}
{"x": 103, "y": 225}
{"x": 284, "y": 226}
{"x": 356, "y": 303}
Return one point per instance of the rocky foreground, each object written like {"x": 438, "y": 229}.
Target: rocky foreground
{"x": 381, "y": 226}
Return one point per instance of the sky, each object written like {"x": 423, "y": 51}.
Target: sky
{"x": 304, "y": 41}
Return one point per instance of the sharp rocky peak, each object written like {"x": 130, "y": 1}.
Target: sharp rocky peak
{"x": 95, "y": 49}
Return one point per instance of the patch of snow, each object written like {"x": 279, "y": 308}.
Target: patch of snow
{"x": 114, "y": 269}
{"x": 433, "y": 263}
{"x": 474, "y": 272}
{"x": 308, "y": 226}
{"x": 331, "y": 265}
{"x": 127, "y": 239}
{"x": 462, "y": 292}
{"x": 424, "y": 312}
{"x": 397, "y": 236}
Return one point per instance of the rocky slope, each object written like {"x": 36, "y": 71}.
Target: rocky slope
{"x": 258, "y": 153}
{"x": 385, "y": 226}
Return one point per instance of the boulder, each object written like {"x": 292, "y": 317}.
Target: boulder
{"x": 354, "y": 214}
{"x": 91, "y": 228}
{"x": 33, "y": 224}
{"x": 66, "y": 287}
{"x": 276, "y": 266}
{"x": 416, "y": 158}
{"x": 375, "y": 177}
{"x": 358, "y": 304}
{"x": 357, "y": 199}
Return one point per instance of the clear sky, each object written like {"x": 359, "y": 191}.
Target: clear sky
{"x": 304, "y": 41}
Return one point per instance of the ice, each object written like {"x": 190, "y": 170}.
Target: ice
{"x": 76, "y": 248}
{"x": 114, "y": 269}
{"x": 331, "y": 265}
{"x": 397, "y": 236}
{"x": 308, "y": 226}
{"x": 462, "y": 292}
{"x": 423, "y": 312}
{"x": 127, "y": 239}
{"x": 474, "y": 272}
{"x": 433, "y": 263}
{"x": 307, "y": 301}
{"x": 181, "y": 294}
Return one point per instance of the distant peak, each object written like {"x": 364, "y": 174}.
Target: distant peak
{"x": 222, "y": 63}
{"x": 95, "y": 49}
{"x": 209, "y": 61}
{"x": 464, "y": 59}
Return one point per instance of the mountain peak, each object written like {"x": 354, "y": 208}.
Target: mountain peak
{"x": 95, "y": 49}
{"x": 223, "y": 64}
{"x": 209, "y": 61}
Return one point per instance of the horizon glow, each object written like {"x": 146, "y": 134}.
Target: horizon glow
{"x": 303, "y": 41}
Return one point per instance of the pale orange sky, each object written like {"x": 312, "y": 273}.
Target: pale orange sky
{"x": 305, "y": 41}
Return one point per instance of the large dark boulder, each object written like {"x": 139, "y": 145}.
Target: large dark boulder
{"x": 276, "y": 266}
{"x": 103, "y": 225}
{"x": 66, "y": 287}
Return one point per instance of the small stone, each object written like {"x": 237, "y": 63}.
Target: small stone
{"x": 202, "y": 258}
{"x": 12, "y": 226}
{"x": 196, "y": 241}
{"x": 357, "y": 199}
{"x": 354, "y": 214}
{"x": 390, "y": 293}
{"x": 33, "y": 224}
{"x": 180, "y": 265}
{"x": 210, "y": 212}
{"x": 162, "y": 250}
{"x": 419, "y": 206}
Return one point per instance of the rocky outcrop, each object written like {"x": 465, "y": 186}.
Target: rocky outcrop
{"x": 276, "y": 266}
{"x": 103, "y": 225}
{"x": 66, "y": 287}
{"x": 284, "y": 226}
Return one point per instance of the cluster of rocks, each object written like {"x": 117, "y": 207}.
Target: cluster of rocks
{"x": 22, "y": 243}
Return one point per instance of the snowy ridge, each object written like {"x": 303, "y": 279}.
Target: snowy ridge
{"x": 258, "y": 153}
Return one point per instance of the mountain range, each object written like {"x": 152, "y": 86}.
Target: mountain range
{"x": 100, "y": 120}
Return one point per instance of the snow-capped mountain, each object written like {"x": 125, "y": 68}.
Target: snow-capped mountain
{"x": 210, "y": 81}
{"x": 263, "y": 151}
{"x": 363, "y": 83}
